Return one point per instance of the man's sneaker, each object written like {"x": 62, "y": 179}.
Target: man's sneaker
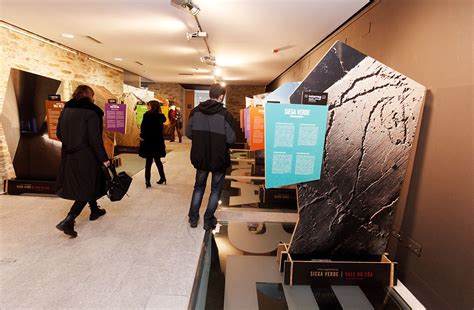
{"x": 96, "y": 213}
{"x": 193, "y": 224}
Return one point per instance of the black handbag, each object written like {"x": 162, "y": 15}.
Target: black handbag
{"x": 116, "y": 185}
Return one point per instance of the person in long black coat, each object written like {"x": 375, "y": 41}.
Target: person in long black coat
{"x": 152, "y": 143}
{"x": 80, "y": 176}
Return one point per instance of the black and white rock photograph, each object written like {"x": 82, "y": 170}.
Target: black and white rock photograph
{"x": 372, "y": 121}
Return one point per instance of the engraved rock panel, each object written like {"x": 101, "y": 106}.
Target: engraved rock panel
{"x": 373, "y": 115}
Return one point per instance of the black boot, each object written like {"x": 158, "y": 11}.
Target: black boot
{"x": 67, "y": 226}
{"x": 96, "y": 213}
{"x": 148, "y": 184}
{"x": 161, "y": 171}
{"x": 162, "y": 181}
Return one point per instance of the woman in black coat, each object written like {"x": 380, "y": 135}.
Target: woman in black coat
{"x": 152, "y": 143}
{"x": 80, "y": 175}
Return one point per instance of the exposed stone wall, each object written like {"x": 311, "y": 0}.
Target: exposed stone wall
{"x": 24, "y": 53}
{"x": 235, "y": 97}
{"x": 170, "y": 91}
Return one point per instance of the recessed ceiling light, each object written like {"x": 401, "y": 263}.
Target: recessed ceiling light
{"x": 118, "y": 59}
{"x": 68, "y": 35}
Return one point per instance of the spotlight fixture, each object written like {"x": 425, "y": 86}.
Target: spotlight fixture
{"x": 67, "y": 35}
{"x": 187, "y": 5}
{"x": 197, "y": 34}
{"x": 210, "y": 60}
{"x": 118, "y": 59}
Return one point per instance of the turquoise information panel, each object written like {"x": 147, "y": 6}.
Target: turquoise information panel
{"x": 294, "y": 143}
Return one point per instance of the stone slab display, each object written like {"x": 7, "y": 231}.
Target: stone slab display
{"x": 372, "y": 121}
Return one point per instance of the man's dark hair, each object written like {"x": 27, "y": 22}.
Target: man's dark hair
{"x": 216, "y": 90}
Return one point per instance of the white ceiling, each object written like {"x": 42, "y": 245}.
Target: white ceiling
{"x": 242, "y": 33}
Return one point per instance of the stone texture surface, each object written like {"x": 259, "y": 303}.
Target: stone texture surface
{"x": 170, "y": 91}
{"x": 235, "y": 97}
{"x": 24, "y": 53}
{"x": 373, "y": 115}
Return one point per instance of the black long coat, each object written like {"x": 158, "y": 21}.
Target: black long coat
{"x": 152, "y": 143}
{"x": 82, "y": 154}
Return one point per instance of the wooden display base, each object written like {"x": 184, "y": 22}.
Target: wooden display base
{"x": 282, "y": 197}
{"x": 120, "y": 149}
{"x": 329, "y": 272}
{"x": 18, "y": 187}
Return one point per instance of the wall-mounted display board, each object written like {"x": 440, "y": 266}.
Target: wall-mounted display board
{"x": 257, "y": 127}
{"x": 372, "y": 122}
{"x": 294, "y": 142}
{"x": 116, "y": 117}
{"x": 53, "y": 110}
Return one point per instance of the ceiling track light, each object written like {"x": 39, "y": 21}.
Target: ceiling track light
{"x": 196, "y": 34}
{"x": 192, "y": 8}
{"x": 209, "y": 60}
{"x": 187, "y": 5}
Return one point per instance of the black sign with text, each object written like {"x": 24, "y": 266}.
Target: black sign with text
{"x": 315, "y": 98}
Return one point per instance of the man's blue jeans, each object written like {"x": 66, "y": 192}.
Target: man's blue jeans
{"x": 198, "y": 193}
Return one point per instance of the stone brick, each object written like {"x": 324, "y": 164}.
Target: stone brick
{"x": 170, "y": 91}
{"x": 235, "y": 97}
{"x": 20, "y": 52}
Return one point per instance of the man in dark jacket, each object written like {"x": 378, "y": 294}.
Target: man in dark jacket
{"x": 210, "y": 128}
{"x": 80, "y": 176}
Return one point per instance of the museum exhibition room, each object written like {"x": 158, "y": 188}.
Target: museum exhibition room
{"x": 236, "y": 154}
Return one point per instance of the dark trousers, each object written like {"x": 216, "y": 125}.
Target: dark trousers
{"x": 159, "y": 165}
{"x": 174, "y": 126}
{"x": 78, "y": 206}
{"x": 198, "y": 193}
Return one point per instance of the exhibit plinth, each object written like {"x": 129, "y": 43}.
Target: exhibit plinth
{"x": 331, "y": 272}
{"x": 18, "y": 187}
{"x": 282, "y": 197}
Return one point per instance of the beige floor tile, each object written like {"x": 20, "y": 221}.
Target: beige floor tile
{"x": 142, "y": 253}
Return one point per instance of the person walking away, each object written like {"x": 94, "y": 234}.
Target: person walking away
{"x": 210, "y": 129}
{"x": 80, "y": 176}
{"x": 152, "y": 142}
{"x": 179, "y": 123}
{"x": 173, "y": 117}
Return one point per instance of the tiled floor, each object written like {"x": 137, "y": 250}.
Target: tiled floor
{"x": 141, "y": 254}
